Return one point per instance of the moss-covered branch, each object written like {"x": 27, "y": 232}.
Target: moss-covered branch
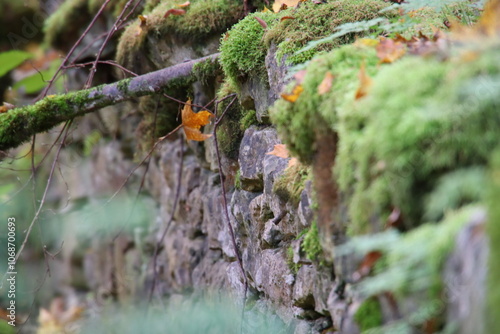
{"x": 19, "y": 124}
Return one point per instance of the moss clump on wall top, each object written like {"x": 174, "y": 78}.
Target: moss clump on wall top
{"x": 368, "y": 315}
{"x": 422, "y": 119}
{"x": 315, "y": 21}
{"x": 298, "y": 122}
{"x": 242, "y": 49}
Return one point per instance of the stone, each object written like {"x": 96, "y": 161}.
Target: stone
{"x": 254, "y": 146}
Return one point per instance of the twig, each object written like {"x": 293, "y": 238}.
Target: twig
{"x": 226, "y": 213}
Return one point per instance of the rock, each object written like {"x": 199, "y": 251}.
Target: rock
{"x": 277, "y": 74}
{"x": 465, "y": 276}
{"x": 254, "y": 146}
{"x": 304, "y": 210}
{"x": 254, "y": 95}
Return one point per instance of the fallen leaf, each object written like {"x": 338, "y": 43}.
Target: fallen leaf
{"x": 280, "y": 5}
{"x": 185, "y": 4}
{"x": 389, "y": 50}
{"x": 365, "y": 83}
{"x": 395, "y": 219}
{"x": 367, "y": 42}
{"x": 6, "y": 107}
{"x": 174, "y": 11}
{"x": 366, "y": 265}
{"x": 297, "y": 90}
{"x": 280, "y": 151}
{"x": 261, "y": 22}
{"x": 192, "y": 122}
{"x": 287, "y": 18}
{"x": 265, "y": 10}
{"x": 299, "y": 76}
{"x": 143, "y": 20}
{"x": 326, "y": 84}
{"x": 292, "y": 162}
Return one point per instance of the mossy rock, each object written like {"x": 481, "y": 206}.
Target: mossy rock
{"x": 298, "y": 122}
{"x": 369, "y": 314}
{"x": 424, "y": 118}
{"x": 315, "y": 21}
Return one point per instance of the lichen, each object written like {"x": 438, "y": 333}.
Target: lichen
{"x": 315, "y": 21}
{"x": 369, "y": 314}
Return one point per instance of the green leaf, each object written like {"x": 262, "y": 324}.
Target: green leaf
{"x": 38, "y": 80}
{"x": 11, "y": 59}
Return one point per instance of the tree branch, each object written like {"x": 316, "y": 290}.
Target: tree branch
{"x": 19, "y": 124}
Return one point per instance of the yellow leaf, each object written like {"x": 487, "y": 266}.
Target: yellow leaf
{"x": 185, "y": 4}
{"x": 389, "y": 50}
{"x": 326, "y": 84}
{"x": 367, "y": 42}
{"x": 297, "y": 90}
{"x": 265, "y": 10}
{"x": 283, "y": 4}
{"x": 192, "y": 122}
{"x": 364, "y": 83}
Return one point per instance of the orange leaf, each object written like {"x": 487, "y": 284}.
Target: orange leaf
{"x": 185, "y": 4}
{"x": 287, "y": 18}
{"x": 192, "y": 122}
{"x": 292, "y": 162}
{"x": 388, "y": 50}
{"x": 280, "y": 151}
{"x": 261, "y": 22}
{"x": 364, "y": 83}
{"x": 143, "y": 20}
{"x": 366, "y": 265}
{"x": 326, "y": 84}
{"x": 297, "y": 90}
{"x": 174, "y": 11}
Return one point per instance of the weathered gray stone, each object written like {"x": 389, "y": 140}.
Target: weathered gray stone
{"x": 254, "y": 94}
{"x": 254, "y": 146}
{"x": 276, "y": 72}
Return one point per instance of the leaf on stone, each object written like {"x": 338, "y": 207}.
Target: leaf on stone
{"x": 192, "y": 122}
{"x": 281, "y": 151}
{"x": 174, "y": 11}
{"x": 326, "y": 84}
{"x": 389, "y": 50}
{"x": 365, "y": 83}
{"x": 261, "y": 22}
{"x": 297, "y": 90}
{"x": 185, "y": 4}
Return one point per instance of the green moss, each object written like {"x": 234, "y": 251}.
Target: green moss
{"x": 248, "y": 119}
{"x": 71, "y": 12}
{"x": 242, "y": 49}
{"x": 493, "y": 232}
{"x": 291, "y": 183}
{"x": 237, "y": 180}
{"x": 206, "y": 70}
{"x": 311, "y": 244}
{"x": 294, "y": 267}
{"x": 90, "y": 141}
{"x": 397, "y": 142}
{"x": 299, "y": 122}
{"x": 315, "y": 21}
{"x": 369, "y": 315}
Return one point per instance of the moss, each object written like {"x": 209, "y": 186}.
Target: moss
{"x": 369, "y": 314}
{"x": 249, "y": 118}
{"x": 397, "y": 142}
{"x": 291, "y": 183}
{"x": 90, "y": 141}
{"x": 294, "y": 267}
{"x": 206, "y": 70}
{"x": 298, "y": 122}
{"x": 237, "y": 180}
{"x": 70, "y": 13}
{"x": 315, "y": 21}
{"x": 311, "y": 244}
{"x": 123, "y": 85}
{"x": 242, "y": 50}
{"x": 493, "y": 232}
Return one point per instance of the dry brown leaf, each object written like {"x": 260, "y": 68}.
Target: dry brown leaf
{"x": 297, "y": 90}
{"x": 261, "y": 22}
{"x": 192, "y": 122}
{"x": 287, "y": 18}
{"x": 292, "y": 162}
{"x": 174, "y": 11}
{"x": 326, "y": 84}
{"x": 284, "y": 4}
{"x": 365, "y": 83}
{"x": 389, "y": 50}
{"x": 185, "y": 4}
{"x": 299, "y": 76}
{"x": 366, "y": 265}
{"x": 280, "y": 151}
